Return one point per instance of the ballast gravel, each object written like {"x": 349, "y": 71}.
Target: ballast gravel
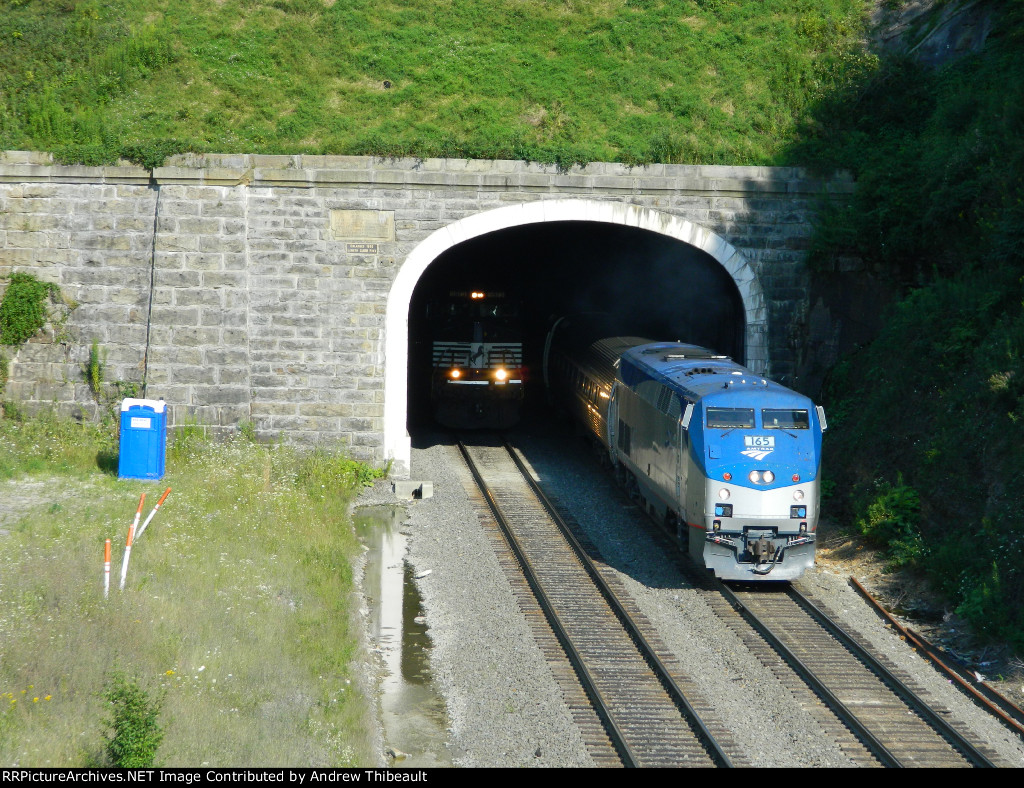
{"x": 503, "y": 704}
{"x": 504, "y": 707}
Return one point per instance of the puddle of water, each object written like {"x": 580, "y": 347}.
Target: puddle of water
{"x": 413, "y": 712}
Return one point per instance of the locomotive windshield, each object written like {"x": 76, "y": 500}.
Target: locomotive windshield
{"x": 785, "y": 419}
{"x": 731, "y": 418}
{"x": 473, "y": 310}
{"x": 477, "y": 321}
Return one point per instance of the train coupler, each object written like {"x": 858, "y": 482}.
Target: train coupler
{"x": 762, "y": 549}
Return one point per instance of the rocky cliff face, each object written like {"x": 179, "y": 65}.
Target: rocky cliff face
{"x": 847, "y": 303}
{"x": 933, "y": 32}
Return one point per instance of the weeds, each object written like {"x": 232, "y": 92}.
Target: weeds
{"x": 94, "y": 369}
{"x": 321, "y": 472}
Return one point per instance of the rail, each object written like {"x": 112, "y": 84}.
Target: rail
{"x": 702, "y": 737}
{"x": 985, "y": 695}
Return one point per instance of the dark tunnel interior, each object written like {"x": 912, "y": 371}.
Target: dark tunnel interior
{"x": 646, "y": 284}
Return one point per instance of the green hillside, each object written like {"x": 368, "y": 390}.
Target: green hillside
{"x": 926, "y": 445}
{"x": 684, "y": 81}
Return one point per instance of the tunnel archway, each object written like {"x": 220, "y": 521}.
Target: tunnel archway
{"x": 754, "y": 333}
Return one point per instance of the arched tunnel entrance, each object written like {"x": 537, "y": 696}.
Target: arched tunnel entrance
{"x": 644, "y": 283}
{"x": 653, "y": 275}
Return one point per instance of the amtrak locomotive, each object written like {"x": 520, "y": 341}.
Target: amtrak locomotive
{"x": 729, "y": 460}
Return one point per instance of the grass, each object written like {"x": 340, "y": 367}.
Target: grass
{"x": 236, "y": 607}
{"x": 683, "y": 81}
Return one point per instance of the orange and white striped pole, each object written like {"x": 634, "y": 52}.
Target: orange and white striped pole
{"x": 131, "y": 538}
{"x": 162, "y": 499}
{"x": 106, "y": 569}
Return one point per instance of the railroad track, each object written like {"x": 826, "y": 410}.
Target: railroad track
{"x": 973, "y": 686}
{"x": 646, "y": 718}
{"x": 877, "y": 718}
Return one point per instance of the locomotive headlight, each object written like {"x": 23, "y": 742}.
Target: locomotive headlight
{"x": 798, "y": 495}
{"x": 500, "y": 374}
{"x": 723, "y": 494}
{"x": 755, "y": 477}
{"x": 456, "y": 373}
{"x": 768, "y": 477}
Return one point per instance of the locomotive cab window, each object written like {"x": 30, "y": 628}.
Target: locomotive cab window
{"x": 731, "y": 418}
{"x": 785, "y": 419}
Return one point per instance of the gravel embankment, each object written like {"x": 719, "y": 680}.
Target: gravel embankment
{"x": 504, "y": 708}
{"x": 503, "y": 704}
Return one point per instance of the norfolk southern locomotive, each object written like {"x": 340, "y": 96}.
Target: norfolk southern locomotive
{"x": 726, "y": 458}
{"x": 477, "y": 359}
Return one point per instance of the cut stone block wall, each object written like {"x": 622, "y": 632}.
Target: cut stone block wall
{"x": 263, "y": 289}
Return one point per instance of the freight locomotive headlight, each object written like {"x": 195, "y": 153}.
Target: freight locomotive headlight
{"x": 500, "y": 374}
{"x": 768, "y": 477}
{"x": 723, "y": 494}
{"x": 456, "y": 373}
{"x": 755, "y": 477}
{"x": 798, "y": 495}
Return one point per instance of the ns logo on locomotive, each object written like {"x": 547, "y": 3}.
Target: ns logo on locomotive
{"x": 727, "y": 459}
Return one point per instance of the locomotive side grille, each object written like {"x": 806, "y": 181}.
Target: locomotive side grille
{"x": 487, "y": 355}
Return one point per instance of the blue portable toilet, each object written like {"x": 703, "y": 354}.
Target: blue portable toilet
{"x": 143, "y": 439}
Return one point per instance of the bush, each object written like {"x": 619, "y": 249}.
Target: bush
{"x": 135, "y": 734}
{"x": 985, "y": 605}
{"x": 892, "y": 521}
{"x": 23, "y": 309}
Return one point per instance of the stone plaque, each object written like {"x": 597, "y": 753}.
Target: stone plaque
{"x": 363, "y": 225}
{"x": 360, "y": 248}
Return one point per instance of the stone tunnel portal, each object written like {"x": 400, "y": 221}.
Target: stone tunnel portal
{"x": 670, "y": 280}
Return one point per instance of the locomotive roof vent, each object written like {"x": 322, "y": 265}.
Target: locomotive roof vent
{"x": 703, "y": 371}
